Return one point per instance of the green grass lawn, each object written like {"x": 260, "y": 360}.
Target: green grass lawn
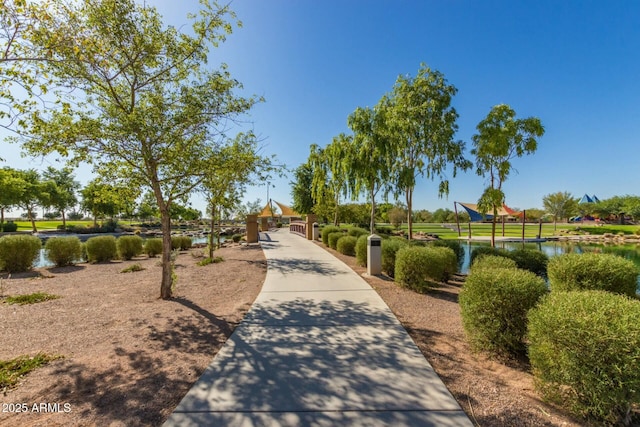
{"x": 50, "y": 225}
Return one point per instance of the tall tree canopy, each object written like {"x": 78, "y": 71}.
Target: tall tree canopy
{"x": 501, "y": 138}
{"x": 137, "y": 99}
{"x": 560, "y": 205}
{"x": 423, "y": 125}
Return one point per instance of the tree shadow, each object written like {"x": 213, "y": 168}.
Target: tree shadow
{"x": 305, "y": 356}
{"x": 65, "y": 269}
{"x": 299, "y": 265}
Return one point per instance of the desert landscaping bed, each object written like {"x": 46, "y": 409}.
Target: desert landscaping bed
{"x": 128, "y": 357}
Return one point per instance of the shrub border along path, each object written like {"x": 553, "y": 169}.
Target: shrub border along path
{"x": 492, "y": 394}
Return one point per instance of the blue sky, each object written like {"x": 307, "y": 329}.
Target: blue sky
{"x": 573, "y": 64}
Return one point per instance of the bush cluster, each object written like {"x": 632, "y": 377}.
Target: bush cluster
{"x": 326, "y": 230}
{"x": 181, "y": 242}
{"x": 492, "y": 261}
{"x": 101, "y": 249}
{"x": 237, "y": 237}
{"x": 357, "y": 231}
{"x": 530, "y": 259}
{"x": 347, "y": 245}
{"x": 494, "y": 304}
{"x": 19, "y": 252}
{"x": 9, "y": 227}
{"x": 63, "y": 251}
{"x": 334, "y": 237}
{"x": 486, "y": 250}
{"x": 592, "y": 271}
{"x": 421, "y": 268}
{"x": 453, "y": 245}
{"x": 153, "y": 247}
{"x": 361, "y": 250}
{"x": 129, "y": 246}
{"x": 584, "y": 350}
{"x": 390, "y": 248}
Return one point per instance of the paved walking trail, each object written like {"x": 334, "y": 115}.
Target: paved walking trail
{"x": 318, "y": 347}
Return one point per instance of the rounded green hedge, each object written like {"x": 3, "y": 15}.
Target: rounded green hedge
{"x": 492, "y": 261}
{"x": 153, "y": 246}
{"x": 390, "y": 249}
{"x": 593, "y": 271}
{"x": 584, "y": 349}
{"x": 531, "y": 259}
{"x": 19, "y": 252}
{"x": 63, "y": 251}
{"x": 357, "y": 231}
{"x": 334, "y": 237}
{"x": 453, "y": 245}
{"x": 101, "y": 248}
{"x": 494, "y": 305}
{"x": 422, "y": 268}
{"x": 361, "y": 250}
{"x": 129, "y": 246}
{"x": 486, "y": 250}
{"x": 181, "y": 242}
{"x": 326, "y": 230}
{"x": 9, "y": 227}
{"x": 347, "y": 245}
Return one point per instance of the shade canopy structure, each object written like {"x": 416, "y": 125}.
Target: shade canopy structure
{"x": 475, "y": 215}
{"x": 587, "y": 199}
{"x": 285, "y": 211}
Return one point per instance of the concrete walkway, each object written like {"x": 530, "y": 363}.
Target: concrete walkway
{"x": 318, "y": 347}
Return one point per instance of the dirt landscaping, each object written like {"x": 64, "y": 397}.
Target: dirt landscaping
{"x": 129, "y": 357}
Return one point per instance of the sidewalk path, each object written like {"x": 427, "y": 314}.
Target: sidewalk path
{"x": 318, "y": 347}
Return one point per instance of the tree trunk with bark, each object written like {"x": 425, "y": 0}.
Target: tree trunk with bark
{"x": 167, "y": 267}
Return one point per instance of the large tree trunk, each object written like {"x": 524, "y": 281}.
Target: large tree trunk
{"x": 32, "y": 219}
{"x": 409, "y": 194}
{"x": 64, "y": 221}
{"x": 1, "y": 215}
{"x": 167, "y": 268}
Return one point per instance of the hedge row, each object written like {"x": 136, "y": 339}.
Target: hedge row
{"x": 18, "y": 253}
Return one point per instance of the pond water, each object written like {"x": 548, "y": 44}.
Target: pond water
{"x": 42, "y": 261}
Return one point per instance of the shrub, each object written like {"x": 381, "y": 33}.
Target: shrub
{"x": 63, "y": 250}
{"x": 153, "y": 247}
{"x": 421, "y": 268}
{"x": 494, "y": 305}
{"x": 357, "y": 231}
{"x": 584, "y": 351}
{"x": 129, "y": 246}
{"x": 31, "y": 298}
{"x": 346, "y": 245}
{"x": 133, "y": 268}
{"x": 531, "y": 259}
{"x": 333, "y": 238}
{"x": 390, "y": 248}
{"x": 9, "y": 227}
{"x": 454, "y": 245}
{"x": 592, "y": 271}
{"x": 19, "y": 252}
{"x": 237, "y": 237}
{"x": 101, "y": 248}
{"x": 486, "y": 250}
{"x": 361, "y": 250}
{"x": 181, "y": 242}
{"x": 492, "y": 261}
{"x": 207, "y": 261}
{"x": 328, "y": 229}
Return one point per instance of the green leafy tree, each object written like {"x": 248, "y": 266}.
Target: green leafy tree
{"x": 500, "y": 138}
{"x": 62, "y": 194}
{"x": 104, "y": 200}
{"x": 11, "y": 187}
{"x": 148, "y": 207}
{"x": 369, "y": 160}
{"x": 236, "y": 165}
{"x": 33, "y": 193}
{"x": 561, "y": 205}
{"x": 303, "y": 201}
{"x": 423, "y": 125}
{"x": 146, "y": 107}
{"x": 397, "y": 216}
